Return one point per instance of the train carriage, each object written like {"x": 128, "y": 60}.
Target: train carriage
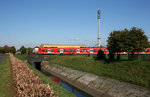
{"x": 73, "y": 49}
{"x": 82, "y": 50}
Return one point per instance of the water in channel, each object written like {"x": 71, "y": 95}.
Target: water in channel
{"x": 70, "y": 88}
{"x": 65, "y": 85}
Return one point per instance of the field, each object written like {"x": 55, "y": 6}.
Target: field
{"x": 6, "y": 89}
{"x": 136, "y": 71}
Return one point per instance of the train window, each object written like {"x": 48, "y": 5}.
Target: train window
{"x": 94, "y": 50}
{"x": 46, "y": 50}
{"x": 67, "y": 50}
{"x": 105, "y": 50}
{"x": 52, "y": 50}
{"x": 87, "y": 50}
{"x": 75, "y": 50}
{"x": 43, "y": 50}
{"x": 84, "y": 50}
{"x": 71, "y": 50}
{"x": 81, "y": 50}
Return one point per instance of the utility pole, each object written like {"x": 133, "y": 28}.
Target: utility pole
{"x": 98, "y": 13}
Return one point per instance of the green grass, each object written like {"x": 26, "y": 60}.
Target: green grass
{"x": 21, "y": 57}
{"x": 136, "y": 72}
{"x": 61, "y": 92}
{"x": 5, "y": 79}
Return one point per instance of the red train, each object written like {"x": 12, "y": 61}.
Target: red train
{"x": 81, "y": 50}
{"x": 84, "y": 50}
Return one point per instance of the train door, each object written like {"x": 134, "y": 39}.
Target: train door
{"x": 91, "y": 51}
{"x": 84, "y": 51}
{"x": 49, "y": 50}
{"x": 61, "y": 50}
{"x": 78, "y": 51}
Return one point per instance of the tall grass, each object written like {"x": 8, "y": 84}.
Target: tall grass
{"x": 136, "y": 71}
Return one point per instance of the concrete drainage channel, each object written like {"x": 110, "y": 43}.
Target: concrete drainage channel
{"x": 91, "y": 84}
{"x": 59, "y": 81}
{"x": 69, "y": 87}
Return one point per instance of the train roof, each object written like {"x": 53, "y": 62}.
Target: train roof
{"x": 61, "y": 46}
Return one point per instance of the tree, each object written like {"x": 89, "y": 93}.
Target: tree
{"x": 132, "y": 41}
{"x": 115, "y": 43}
{"x": 13, "y": 49}
{"x": 23, "y": 50}
{"x": 30, "y": 50}
{"x": 2, "y": 50}
{"x": 149, "y": 45}
{"x": 6, "y": 49}
{"x": 136, "y": 40}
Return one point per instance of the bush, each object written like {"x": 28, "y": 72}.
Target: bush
{"x": 101, "y": 55}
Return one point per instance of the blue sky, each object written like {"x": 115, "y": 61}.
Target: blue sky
{"x": 35, "y": 22}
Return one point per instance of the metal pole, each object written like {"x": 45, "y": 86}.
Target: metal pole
{"x": 98, "y": 27}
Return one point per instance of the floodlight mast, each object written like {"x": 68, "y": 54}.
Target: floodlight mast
{"x": 98, "y": 13}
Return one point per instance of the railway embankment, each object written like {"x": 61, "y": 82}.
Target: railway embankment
{"x": 95, "y": 85}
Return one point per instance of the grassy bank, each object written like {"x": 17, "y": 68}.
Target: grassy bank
{"x": 61, "y": 92}
{"x": 136, "y": 72}
{"x": 5, "y": 79}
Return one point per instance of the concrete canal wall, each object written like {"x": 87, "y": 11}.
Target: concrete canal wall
{"x": 93, "y": 84}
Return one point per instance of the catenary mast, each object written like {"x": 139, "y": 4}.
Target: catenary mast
{"x": 98, "y": 13}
